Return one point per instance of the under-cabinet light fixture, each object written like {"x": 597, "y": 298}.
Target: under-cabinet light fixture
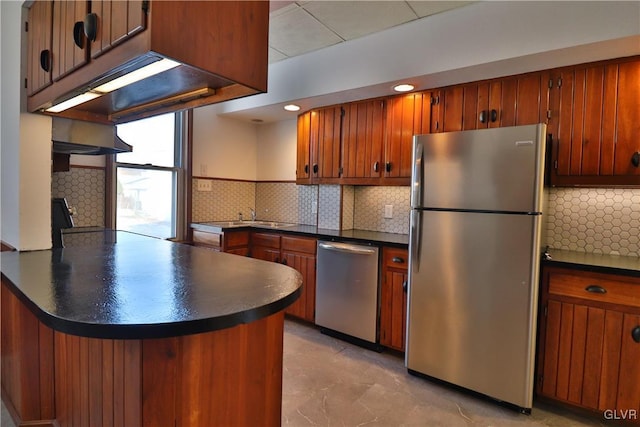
{"x": 76, "y": 100}
{"x": 152, "y": 69}
{"x": 292, "y": 107}
{"x": 404, "y": 87}
{"x": 137, "y": 75}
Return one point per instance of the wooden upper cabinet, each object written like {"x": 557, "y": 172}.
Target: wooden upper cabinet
{"x": 510, "y": 101}
{"x": 70, "y": 50}
{"x": 363, "y": 137}
{"x": 326, "y": 137}
{"x": 39, "y": 46}
{"x": 595, "y": 122}
{"x": 406, "y": 116}
{"x": 303, "y": 151}
{"x": 627, "y": 124}
{"x": 117, "y": 21}
{"x": 221, "y": 46}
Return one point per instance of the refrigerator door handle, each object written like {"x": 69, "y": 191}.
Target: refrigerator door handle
{"x": 416, "y": 185}
{"x": 416, "y": 240}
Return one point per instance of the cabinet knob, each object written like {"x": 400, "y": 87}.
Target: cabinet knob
{"x": 635, "y": 159}
{"x": 45, "y": 60}
{"x": 404, "y": 285}
{"x": 483, "y": 116}
{"x": 635, "y": 334}
{"x": 78, "y": 33}
{"x": 494, "y": 116}
{"x": 306, "y": 168}
{"x": 397, "y": 259}
{"x": 284, "y": 261}
{"x": 376, "y": 166}
{"x": 387, "y": 166}
{"x": 91, "y": 26}
{"x": 315, "y": 168}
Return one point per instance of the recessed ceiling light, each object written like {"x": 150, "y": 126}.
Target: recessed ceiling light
{"x": 404, "y": 87}
{"x": 292, "y": 107}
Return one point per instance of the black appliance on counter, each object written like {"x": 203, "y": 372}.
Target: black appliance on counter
{"x": 60, "y": 219}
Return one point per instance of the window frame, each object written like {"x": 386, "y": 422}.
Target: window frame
{"x": 181, "y": 170}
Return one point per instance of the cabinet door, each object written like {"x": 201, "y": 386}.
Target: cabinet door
{"x": 487, "y": 112}
{"x": 325, "y": 142}
{"x": 393, "y": 297}
{"x": 406, "y": 115}
{"x": 529, "y": 106}
{"x": 303, "y": 151}
{"x": 266, "y": 246}
{"x": 70, "y": 50}
{"x": 265, "y": 253}
{"x": 303, "y": 307}
{"x": 363, "y": 135}
{"x": 300, "y": 254}
{"x": 595, "y": 116}
{"x": 393, "y": 310}
{"x": 453, "y": 99}
{"x": 117, "y": 21}
{"x": 39, "y": 46}
{"x": 627, "y": 123}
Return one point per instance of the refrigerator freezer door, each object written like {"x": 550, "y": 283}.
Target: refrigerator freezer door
{"x": 473, "y": 301}
{"x": 498, "y": 169}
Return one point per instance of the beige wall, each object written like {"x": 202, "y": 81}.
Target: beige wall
{"x": 277, "y": 151}
{"x": 223, "y": 147}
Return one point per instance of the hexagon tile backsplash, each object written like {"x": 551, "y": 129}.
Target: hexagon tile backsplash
{"x": 594, "y": 220}
{"x": 83, "y": 187}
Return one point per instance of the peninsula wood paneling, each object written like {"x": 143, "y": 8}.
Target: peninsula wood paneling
{"x": 27, "y": 372}
{"x": 231, "y": 376}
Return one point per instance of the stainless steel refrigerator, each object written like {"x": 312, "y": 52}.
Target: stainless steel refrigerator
{"x": 476, "y": 220}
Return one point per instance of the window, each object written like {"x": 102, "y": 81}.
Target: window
{"x": 149, "y": 179}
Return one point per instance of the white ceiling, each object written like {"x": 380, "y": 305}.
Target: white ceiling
{"x": 298, "y": 27}
{"x": 331, "y": 52}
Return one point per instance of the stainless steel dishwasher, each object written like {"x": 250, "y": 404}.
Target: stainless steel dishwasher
{"x": 347, "y": 289}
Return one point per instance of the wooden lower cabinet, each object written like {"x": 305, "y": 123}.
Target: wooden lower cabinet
{"x": 233, "y": 242}
{"x": 393, "y": 297}
{"x": 298, "y": 253}
{"x": 589, "y": 341}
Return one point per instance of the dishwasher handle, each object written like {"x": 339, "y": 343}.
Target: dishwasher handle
{"x": 343, "y": 247}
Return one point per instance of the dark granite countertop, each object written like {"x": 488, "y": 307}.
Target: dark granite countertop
{"x": 114, "y": 284}
{"x": 360, "y": 236}
{"x": 613, "y": 264}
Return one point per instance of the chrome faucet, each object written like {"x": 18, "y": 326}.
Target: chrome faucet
{"x": 253, "y": 214}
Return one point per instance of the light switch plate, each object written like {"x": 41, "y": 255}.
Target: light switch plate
{"x": 204, "y": 185}
{"x": 388, "y": 211}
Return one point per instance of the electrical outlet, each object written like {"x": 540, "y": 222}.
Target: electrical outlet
{"x": 204, "y": 185}
{"x": 388, "y": 211}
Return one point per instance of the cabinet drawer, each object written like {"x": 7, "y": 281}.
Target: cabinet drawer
{"x": 209, "y": 239}
{"x": 395, "y": 258}
{"x": 609, "y": 289}
{"x": 299, "y": 244}
{"x": 233, "y": 239}
{"x": 266, "y": 240}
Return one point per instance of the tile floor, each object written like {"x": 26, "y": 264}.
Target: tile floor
{"x": 329, "y": 382}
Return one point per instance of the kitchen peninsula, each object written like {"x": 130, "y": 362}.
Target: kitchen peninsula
{"x": 122, "y": 329}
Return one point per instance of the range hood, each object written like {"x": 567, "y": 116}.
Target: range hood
{"x": 87, "y": 138}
